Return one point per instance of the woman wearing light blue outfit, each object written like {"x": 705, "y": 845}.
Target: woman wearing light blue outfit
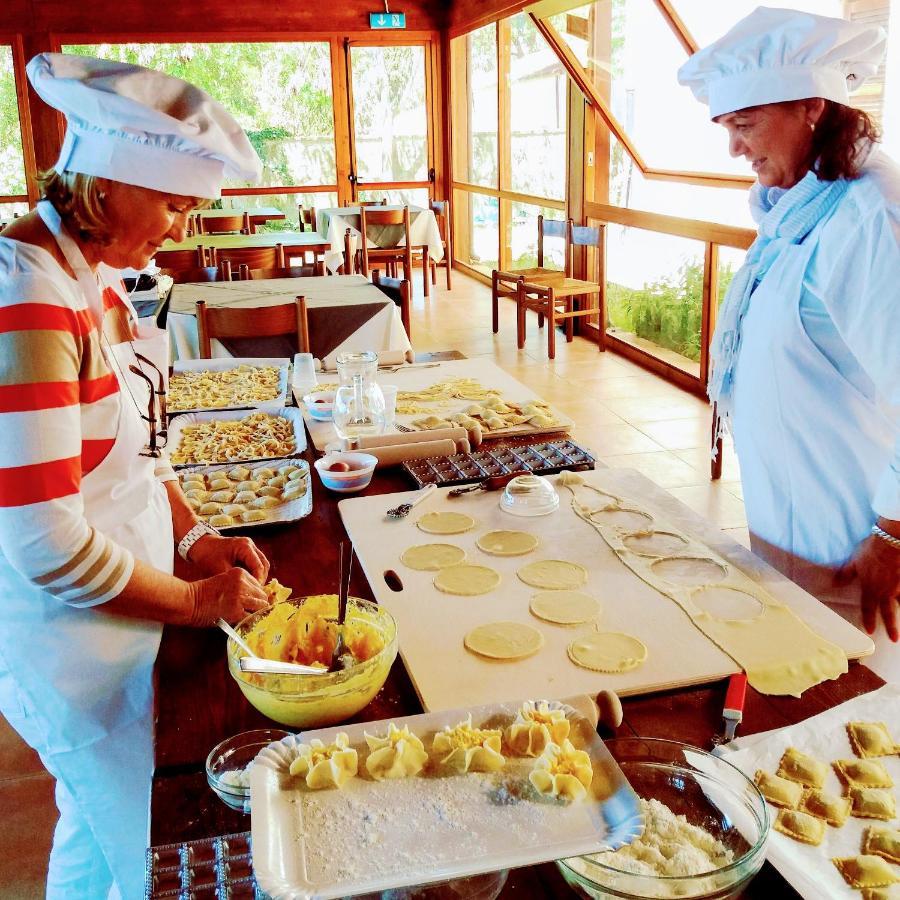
{"x": 806, "y": 354}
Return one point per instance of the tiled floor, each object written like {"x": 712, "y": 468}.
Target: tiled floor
{"x": 627, "y": 416}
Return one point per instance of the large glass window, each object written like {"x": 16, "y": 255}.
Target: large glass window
{"x": 474, "y": 73}
{"x": 523, "y": 224}
{"x": 279, "y": 92}
{"x": 12, "y": 162}
{"x": 477, "y": 230}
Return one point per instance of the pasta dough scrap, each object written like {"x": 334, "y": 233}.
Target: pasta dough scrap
{"x": 276, "y": 591}
{"x": 445, "y": 523}
{"x": 872, "y": 803}
{"x": 553, "y": 574}
{"x": 883, "y": 841}
{"x": 799, "y": 766}
{"x": 820, "y": 803}
{"x": 432, "y": 557}
{"x": 779, "y": 791}
{"x": 466, "y": 580}
{"x": 562, "y": 772}
{"x": 398, "y": 754}
{"x": 504, "y": 640}
{"x": 564, "y": 607}
{"x": 607, "y": 651}
{"x": 870, "y": 739}
{"x": 865, "y": 871}
{"x": 881, "y": 893}
{"x": 800, "y": 826}
{"x": 537, "y": 725}
{"x": 467, "y": 749}
{"x": 863, "y": 773}
{"x": 326, "y": 765}
{"x": 507, "y": 543}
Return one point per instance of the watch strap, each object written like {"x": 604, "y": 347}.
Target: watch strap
{"x": 193, "y": 535}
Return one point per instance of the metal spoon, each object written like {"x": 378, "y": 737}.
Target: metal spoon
{"x": 235, "y": 637}
{"x": 343, "y": 592}
{"x": 403, "y": 510}
{"x": 277, "y": 667}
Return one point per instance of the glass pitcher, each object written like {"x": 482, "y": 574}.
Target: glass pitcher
{"x": 358, "y": 403}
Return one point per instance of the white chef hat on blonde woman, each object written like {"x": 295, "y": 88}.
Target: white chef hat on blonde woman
{"x": 774, "y": 55}
{"x": 142, "y": 127}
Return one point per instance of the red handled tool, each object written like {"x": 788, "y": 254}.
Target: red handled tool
{"x": 734, "y": 706}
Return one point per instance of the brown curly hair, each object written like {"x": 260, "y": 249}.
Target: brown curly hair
{"x": 840, "y": 142}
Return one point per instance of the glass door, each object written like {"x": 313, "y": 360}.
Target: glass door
{"x": 390, "y": 114}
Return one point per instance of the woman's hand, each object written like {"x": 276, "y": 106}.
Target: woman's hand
{"x": 213, "y": 555}
{"x": 229, "y": 596}
{"x": 877, "y": 565}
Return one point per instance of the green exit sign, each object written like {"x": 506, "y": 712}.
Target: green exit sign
{"x": 380, "y": 21}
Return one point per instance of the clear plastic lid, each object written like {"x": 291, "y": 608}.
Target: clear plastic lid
{"x": 528, "y": 495}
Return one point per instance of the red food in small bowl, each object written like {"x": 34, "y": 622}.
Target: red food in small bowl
{"x": 340, "y": 466}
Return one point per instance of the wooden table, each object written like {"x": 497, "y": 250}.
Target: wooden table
{"x": 290, "y": 240}
{"x": 199, "y": 704}
{"x": 259, "y": 215}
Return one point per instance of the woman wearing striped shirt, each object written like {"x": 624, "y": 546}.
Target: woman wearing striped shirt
{"x": 90, "y": 510}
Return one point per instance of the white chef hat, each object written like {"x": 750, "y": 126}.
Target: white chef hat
{"x": 773, "y": 55}
{"x": 141, "y": 127}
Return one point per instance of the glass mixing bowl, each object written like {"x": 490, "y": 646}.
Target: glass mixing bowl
{"x": 316, "y": 701}
{"x": 709, "y": 792}
{"x": 227, "y": 765}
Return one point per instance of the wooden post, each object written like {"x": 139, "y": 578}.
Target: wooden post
{"x": 302, "y": 325}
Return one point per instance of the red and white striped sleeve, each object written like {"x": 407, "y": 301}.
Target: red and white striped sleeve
{"x": 58, "y": 413}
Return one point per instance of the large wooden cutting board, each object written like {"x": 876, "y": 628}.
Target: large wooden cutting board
{"x": 432, "y": 625}
{"x": 418, "y": 378}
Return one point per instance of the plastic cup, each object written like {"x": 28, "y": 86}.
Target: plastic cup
{"x": 390, "y": 404}
{"x": 304, "y": 375}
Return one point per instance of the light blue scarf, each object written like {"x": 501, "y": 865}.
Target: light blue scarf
{"x": 792, "y": 217}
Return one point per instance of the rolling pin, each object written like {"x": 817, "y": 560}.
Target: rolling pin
{"x": 414, "y": 437}
{"x": 395, "y": 454}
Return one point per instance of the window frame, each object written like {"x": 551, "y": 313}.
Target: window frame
{"x": 14, "y": 42}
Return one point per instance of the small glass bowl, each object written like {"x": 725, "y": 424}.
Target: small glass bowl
{"x": 709, "y": 792}
{"x": 234, "y": 755}
{"x": 320, "y": 405}
{"x": 529, "y": 495}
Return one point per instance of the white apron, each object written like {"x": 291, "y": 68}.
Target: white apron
{"x": 77, "y": 683}
{"x": 811, "y": 445}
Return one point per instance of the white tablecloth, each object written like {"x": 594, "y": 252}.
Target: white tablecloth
{"x": 423, "y": 231}
{"x": 360, "y": 317}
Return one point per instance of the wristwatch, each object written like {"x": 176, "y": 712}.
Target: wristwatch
{"x": 879, "y": 532}
{"x": 194, "y": 535}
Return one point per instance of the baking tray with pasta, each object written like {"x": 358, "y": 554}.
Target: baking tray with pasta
{"x": 438, "y": 821}
{"x": 259, "y": 439}
{"x": 244, "y": 495}
{"x": 207, "y": 394}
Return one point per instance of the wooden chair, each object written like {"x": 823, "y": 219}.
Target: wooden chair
{"x": 400, "y": 291}
{"x": 236, "y": 224}
{"x": 381, "y": 202}
{"x": 390, "y": 256}
{"x": 245, "y": 273}
{"x": 189, "y": 276}
{"x": 555, "y": 297}
{"x": 506, "y": 283}
{"x": 252, "y": 322}
{"x": 441, "y": 210}
{"x": 184, "y": 259}
{"x": 252, "y": 257}
{"x": 306, "y": 218}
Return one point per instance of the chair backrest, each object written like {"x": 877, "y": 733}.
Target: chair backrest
{"x": 588, "y": 236}
{"x": 245, "y": 273}
{"x": 188, "y": 276}
{"x": 585, "y": 236}
{"x": 252, "y": 257}
{"x": 399, "y": 290}
{"x": 183, "y": 259}
{"x": 441, "y": 210}
{"x": 236, "y": 224}
{"x": 306, "y": 216}
{"x": 560, "y": 228}
{"x": 379, "y": 218}
{"x": 381, "y": 202}
{"x": 252, "y": 321}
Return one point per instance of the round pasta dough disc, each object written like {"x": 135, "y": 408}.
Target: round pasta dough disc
{"x": 507, "y": 543}
{"x": 607, "y": 651}
{"x": 466, "y": 580}
{"x": 445, "y": 523}
{"x": 553, "y": 574}
{"x": 504, "y": 640}
{"x": 564, "y": 607}
{"x": 431, "y": 557}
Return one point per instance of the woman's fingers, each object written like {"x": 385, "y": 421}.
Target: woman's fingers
{"x": 869, "y": 605}
{"x": 248, "y": 555}
{"x": 889, "y": 605}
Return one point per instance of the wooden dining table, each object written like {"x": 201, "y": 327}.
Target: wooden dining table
{"x": 198, "y": 703}
{"x": 259, "y": 215}
{"x": 299, "y": 241}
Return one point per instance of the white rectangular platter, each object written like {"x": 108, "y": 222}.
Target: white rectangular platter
{"x": 415, "y": 379}
{"x": 432, "y": 625}
{"x": 223, "y": 365}
{"x": 290, "y": 511}
{"x": 291, "y": 413}
{"x": 371, "y": 836}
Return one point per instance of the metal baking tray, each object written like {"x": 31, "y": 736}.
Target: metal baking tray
{"x": 541, "y": 458}
{"x": 283, "y": 365}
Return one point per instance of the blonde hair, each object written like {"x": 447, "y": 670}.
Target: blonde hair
{"x": 79, "y": 200}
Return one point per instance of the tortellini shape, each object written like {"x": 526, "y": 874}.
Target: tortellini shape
{"x": 278, "y": 481}
{"x": 220, "y": 484}
{"x": 210, "y": 508}
{"x": 266, "y": 492}
{"x": 326, "y": 765}
{"x": 536, "y": 726}
{"x": 221, "y": 521}
{"x": 264, "y": 502}
{"x": 467, "y": 749}
{"x": 263, "y": 474}
{"x": 253, "y": 515}
{"x": 400, "y": 754}
{"x": 233, "y": 509}
{"x": 252, "y": 485}
{"x": 562, "y": 772}
{"x": 225, "y": 496}
{"x": 239, "y": 473}
{"x": 197, "y": 493}
{"x": 244, "y": 496}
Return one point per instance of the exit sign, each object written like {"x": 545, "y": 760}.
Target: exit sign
{"x": 382, "y": 20}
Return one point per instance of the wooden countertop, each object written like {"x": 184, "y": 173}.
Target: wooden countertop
{"x": 199, "y": 704}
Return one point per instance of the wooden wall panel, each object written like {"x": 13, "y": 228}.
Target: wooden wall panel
{"x": 468, "y": 14}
